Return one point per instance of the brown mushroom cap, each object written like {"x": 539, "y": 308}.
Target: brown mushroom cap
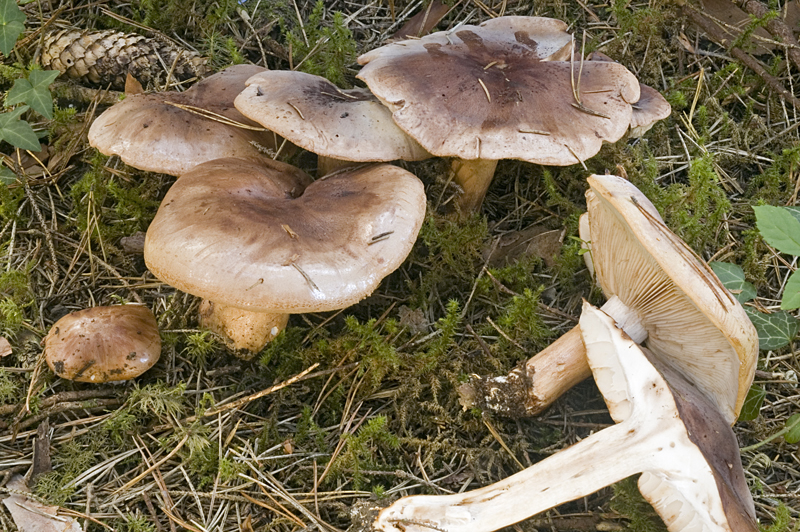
{"x": 102, "y": 344}
{"x": 150, "y": 134}
{"x": 238, "y": 240}
{"x": 649, "y": 109}
{"x": 313, "y": 113}
{"x": 502, "y": 90}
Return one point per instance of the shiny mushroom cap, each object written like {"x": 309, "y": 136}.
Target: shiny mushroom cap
{"x": 693, "y": 323}
{"x": 313, "y": 113}
{"x": 504, "y": 89}
{"x": 226, "y": 233}
{"x": 148, "y": 132}
{"x": 102, "y": 344}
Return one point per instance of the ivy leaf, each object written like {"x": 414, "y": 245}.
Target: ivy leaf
{"x": 732, "y": 277}
{"x": 34, "y": 92}
{"x": 752, "y": 403}
{"x": 791, "y": 292}
{"x": 779, "y": 228}
{"x": 792, "y": 429}
{"x": 7, "y": 177}
{"x": 18, "y": 132}
{"x": 774, "y": 330}
{"x": 12, "y": 23}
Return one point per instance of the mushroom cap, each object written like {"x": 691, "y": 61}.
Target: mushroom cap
{"x": 226, "y": 233}
{"x": 706, "y": 489}
{"x": 503, "y": 89}
{"x": 150, "y": 134}
{"x": 102, "y": 344}
{"x": 693, "y": 323}
{"x": 649, "y": 109}
{"x": 312, "y": 112}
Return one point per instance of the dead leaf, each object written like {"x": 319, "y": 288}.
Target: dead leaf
{"x": 533, "y": 241}
{"x": 5, "y": 347}
{"x": 33, "y": 516}
{"x": 132, "y": 85}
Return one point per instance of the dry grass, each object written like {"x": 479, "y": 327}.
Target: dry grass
{"x": 379, "y": 416}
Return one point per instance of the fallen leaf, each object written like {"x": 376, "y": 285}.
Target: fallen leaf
{"x": 5, "y": 347}
{"x": 536, "y": 241}
{"x": 33, "y": 516}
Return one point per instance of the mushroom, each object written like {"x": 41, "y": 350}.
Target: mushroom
{"x": 658, "y": 289}
{"x": 171, "y": 132}
{"x": 667, "y": 430}
{"x": 508, "y": 88}
{"x": 228, "y": 233}
{"x": 102, "y": 344}
{"x": 338, "y": 125}
{"x": 649, "y": 109}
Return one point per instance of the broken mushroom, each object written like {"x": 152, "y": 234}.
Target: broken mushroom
{"x": 102, "y": 344}
{"x": 171, "y": 132}
{"x": 658, "y": 290}
{"x": 227, "y": 233}
{"x": 667, "y": 430}
{"x": 508, "y": 88}
{"x": 338, "y": 125}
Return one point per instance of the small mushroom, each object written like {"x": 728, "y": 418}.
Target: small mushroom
{"x": 338, "y": 125}
{"x": 658, "y": 290}
{"x": 171, "y": 132}
{"x": 508, "y": 88}
{"x": 102, "y": 344}
{"x": 252, "y": 236}
{"x": 669, "y": 431}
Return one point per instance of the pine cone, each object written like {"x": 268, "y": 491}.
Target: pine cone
{"x": 103, "y": 57}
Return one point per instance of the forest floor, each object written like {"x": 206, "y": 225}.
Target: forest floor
{"x": 379, "y": 417}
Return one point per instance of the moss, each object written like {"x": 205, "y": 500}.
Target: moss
{"x": 326, "y": 49}
{"x": 10, "y": 387}
{"x": 783, "y": 521}
{"x": 109, "y": 208}
{"x": 628, "y": 501}
{"x": 361, "y": 452}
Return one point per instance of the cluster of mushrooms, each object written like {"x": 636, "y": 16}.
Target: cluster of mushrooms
{"x": 258, "y": 240}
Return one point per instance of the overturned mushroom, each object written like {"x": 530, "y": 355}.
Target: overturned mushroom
{"x": 171, "y": 132}
{"x": 658, "y": 289}
{"x": 338, "y": 125}
{"x": 508, "y": 88}
{"x": 102, "y": 344}
{"x": 667, "y": 430}
{"x": 227, "y": 232}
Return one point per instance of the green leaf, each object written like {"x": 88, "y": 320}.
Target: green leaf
{"x": 34, "y": 92}
{"x": 791, "y": 292}
{"x": 12, "y": 23}
{"x": 6, "y": 176}
{"x": 774, "y": 330}
{"x": 732, "y": 277}
{"x": 794, "y": 211}
{"x": 792, "y": 429}
{"x": 779, "y": 228}
{"x": 752, "y": 403}
{"x": 18, "y": 132}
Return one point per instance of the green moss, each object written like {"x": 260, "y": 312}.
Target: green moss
{"x": 628, "y": 501}
{"x": 109, "y": 208}
{"x": 326, "y": 49}
{"x": 362, "y": 450}
{"x": 10, "y": 387}
{"x": 783, "y": 521}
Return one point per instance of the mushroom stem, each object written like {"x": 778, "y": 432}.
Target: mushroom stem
{"x": 567, "y": 475}
{"x": 549, "y": 374}
{"x": 244, "y": 331}
{"x": 327, "y": 165}
{"x": 474, "y": 177}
